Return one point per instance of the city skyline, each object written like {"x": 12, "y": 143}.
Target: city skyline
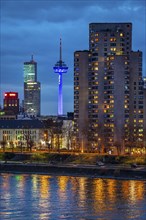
{"x": 37, "y": 29}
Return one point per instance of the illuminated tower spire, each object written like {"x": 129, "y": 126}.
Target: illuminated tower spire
{"x": 60, "y": 68}
{"x": 60, "y": 50}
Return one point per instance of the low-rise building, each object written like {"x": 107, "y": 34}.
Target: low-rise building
{"x": 21, "y": 132}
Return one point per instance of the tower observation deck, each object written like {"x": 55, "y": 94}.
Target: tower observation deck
{"x": 60, "y": 68}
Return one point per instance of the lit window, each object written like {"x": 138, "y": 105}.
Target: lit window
{"x": 77, "y": 87}
{"x": 113, "y": 48}
{"x": 76, "y": 55}
{"x": 121, "y": 34}
{"x": 113, "y": 39}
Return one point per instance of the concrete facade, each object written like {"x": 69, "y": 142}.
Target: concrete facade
{"x": 115, "y": 93}
{"x": 81, "y": 93}
{"x": 144, "y": 80}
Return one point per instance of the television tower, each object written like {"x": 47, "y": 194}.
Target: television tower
{"x": 60, "y": 68}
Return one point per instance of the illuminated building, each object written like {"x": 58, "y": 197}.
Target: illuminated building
{"x": 144, "y": 80}
{"x": 81, "y": 68}
{"x": 115, "y": 93}
{"x": 11, "y": 102}
{"x": 60, "y": 68}
{"x": 19, "y": 132}
{"x": 31, "y": 89}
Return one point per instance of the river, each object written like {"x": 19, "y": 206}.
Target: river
{"x": 44, "y": 197}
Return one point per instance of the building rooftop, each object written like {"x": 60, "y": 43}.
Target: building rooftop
{"x": 21, "y": 124}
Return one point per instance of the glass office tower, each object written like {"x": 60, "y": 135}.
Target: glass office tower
{"x": 31, "y": 89}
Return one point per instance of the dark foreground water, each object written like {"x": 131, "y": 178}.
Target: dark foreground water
{"x": 42, "y": 197}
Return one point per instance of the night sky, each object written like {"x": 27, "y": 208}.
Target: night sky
{"x": 35, "y": 26}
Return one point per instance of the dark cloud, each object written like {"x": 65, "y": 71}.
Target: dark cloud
{"x": 35, "y": 26}
{"x": 59, "y": 11}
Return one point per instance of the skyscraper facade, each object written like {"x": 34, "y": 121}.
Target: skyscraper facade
{"x": 115, "y": 99}
{"x": 31, "y": 89}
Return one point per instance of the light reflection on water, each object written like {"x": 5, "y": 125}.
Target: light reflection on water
{"x": 42, "y": 197}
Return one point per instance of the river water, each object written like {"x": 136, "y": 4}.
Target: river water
{"x": 43, "y": 197}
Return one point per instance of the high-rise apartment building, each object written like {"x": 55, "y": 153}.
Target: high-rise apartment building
{"x": 144, "y": 80}
{"x": 31, "y": 89}
{"x": 81, "y": 69}
{"x": 11, "y": 103}
{"x": 115, "y": 99}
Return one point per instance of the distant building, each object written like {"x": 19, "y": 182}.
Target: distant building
{"x": 7, "y": 115}
{"x": 108, "y": 91}
{"x": 11, "y": 103}
{"x": 67, "y": 134}
{"x": 70, "y": 115}
{"x": 31, "y": 89}
{"x": 59, "y": 132}
{"x": 20, "y": 132}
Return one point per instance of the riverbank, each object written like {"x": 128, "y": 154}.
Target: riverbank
{"x": 74, "y": 164}
{"x": 72, "y": 158}
{"x": 106, "y": 171}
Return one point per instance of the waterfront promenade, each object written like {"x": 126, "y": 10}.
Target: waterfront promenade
{"x": 107, "y": 170}
{"x": 92, "y": 165}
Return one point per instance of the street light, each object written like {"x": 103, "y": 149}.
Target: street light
{"x": 82, "y": 146}
{"x": 99, "y": 144}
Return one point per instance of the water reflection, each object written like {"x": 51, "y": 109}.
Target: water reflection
{"x": 62, "y": 197}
